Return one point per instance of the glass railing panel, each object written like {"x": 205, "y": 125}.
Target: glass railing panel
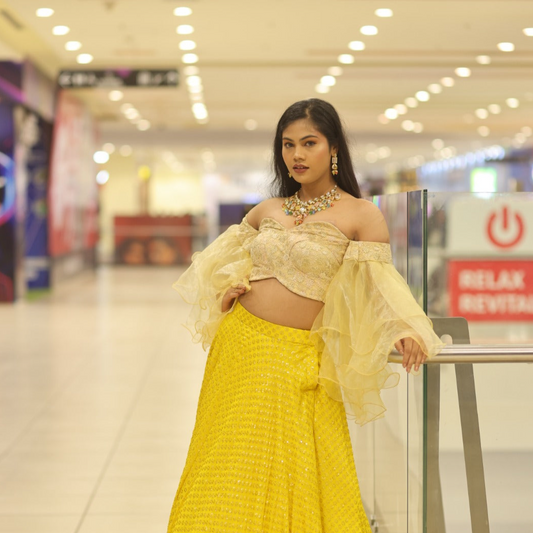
{"x": 384, "y": 460}
{"x": 504, "y": 406}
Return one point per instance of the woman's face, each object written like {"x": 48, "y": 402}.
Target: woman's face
{"x": 307, "y": 153}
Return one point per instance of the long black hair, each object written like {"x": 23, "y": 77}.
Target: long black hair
{"x": 327, "y": 121}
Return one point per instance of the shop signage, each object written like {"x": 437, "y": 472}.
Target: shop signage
{"x": 116, "y": 78}
{"x": 491, "y": 290}
{"x": 480, "y": 227}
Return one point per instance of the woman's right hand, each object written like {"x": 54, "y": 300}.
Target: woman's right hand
{"x": 231, "y": 294}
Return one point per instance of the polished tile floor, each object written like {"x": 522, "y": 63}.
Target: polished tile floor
{"x": 97, "y": 405}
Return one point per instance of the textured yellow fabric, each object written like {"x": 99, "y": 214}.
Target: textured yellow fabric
{"x": 303, "y": 258}
{"x": 270, "y": 452}
{"x": 368, "y": 308}
{"x": 224, "y": 263}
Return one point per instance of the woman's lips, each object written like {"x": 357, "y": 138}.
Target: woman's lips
{"x": 300, "y": 170}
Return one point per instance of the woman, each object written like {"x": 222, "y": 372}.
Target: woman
{"x": 300, "y": 305}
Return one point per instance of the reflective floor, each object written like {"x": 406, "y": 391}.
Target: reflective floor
{"x": 98, "y": 391}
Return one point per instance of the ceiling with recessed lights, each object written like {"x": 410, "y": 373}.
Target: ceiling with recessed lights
{"x": 401, "y": 73}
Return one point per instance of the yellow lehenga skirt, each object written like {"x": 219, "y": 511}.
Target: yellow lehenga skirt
{"x": 270, "y": 451}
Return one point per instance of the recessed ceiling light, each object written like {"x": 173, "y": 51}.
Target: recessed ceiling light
{"x": 506, "y": 47}
{"x": 484, "y": 131}
{"x": 322, "y": 89}
{"x": 346, "y": 59}
{"x": 371, "y": 157}
{"x": 195, "y": 89}
{"x": 528, "y": 32}
{"x": 194, "y": 81}
{"x": 408, "y": 125}
{"x": 383, "y": 119}
{"x": 384, "y": 13}
{"x": 495, "y": 109}
{"x": 512, "y": 102}
{"x": 125, "y": 150}
{"x": 101, "y": 157}
{"x": 109, "y": 148}
{"x": 191, "y": 71}
{"x": 60, "y": 30}
{"x": 438, "y": 144}
{"x": 335, "y": 71}
{"x": 356, "y": 45}
{"x": 72, "y": 46}
{"x": 463, "y": 72}
{"x": 481, "y": 113}
{"x": 401, "y": 108}
{"x": 84, "y": 59}
{"x": 418, "y": 127}
{"x": 250, "y": 124}
{"x": 102, "y": 177}
{"x": 184, "y": 29}
{"x": 44, "y": 12}
{"x": 131, "y": 113}
{"x": 116, "y": 95}
{"x": 199, "y": 111}
{"x": 422, "y": 96}
{"x": 143, "y": 125}
{"x": 190, "y": 58}
{"x": 411, "y": 102}
{"x": 391, "y": 113}
{"x": 328, "y": 80}
{"x": 384, "y": 152}
{"x": 435, "y": 88}
{"x": 447, "y": 82}
{"x": 182, "y": 11}
{"x": 369, "y": 30}
{"x": 187, "y": 45}
{"x": 483, "y": 60}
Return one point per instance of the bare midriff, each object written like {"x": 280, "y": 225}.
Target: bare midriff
{"x": 270, "y": 300}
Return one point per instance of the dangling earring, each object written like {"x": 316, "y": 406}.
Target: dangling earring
{"x": 290, "y": 176}
{"x": 334, "y": 167}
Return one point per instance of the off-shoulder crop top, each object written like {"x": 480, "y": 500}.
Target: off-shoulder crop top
{"x": 305, "y": 258}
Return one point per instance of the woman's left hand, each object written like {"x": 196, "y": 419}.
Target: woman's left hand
{"x": 412, "y": 353}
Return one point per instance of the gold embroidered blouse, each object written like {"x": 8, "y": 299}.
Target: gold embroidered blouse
{"x": 367, "y": 308}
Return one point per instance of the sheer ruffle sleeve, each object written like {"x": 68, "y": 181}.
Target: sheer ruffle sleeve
{"x": 368, "y": 307}
{"x": 224, "y": 263}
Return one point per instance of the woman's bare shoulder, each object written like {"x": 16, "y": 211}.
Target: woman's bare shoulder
{"x": 366, "y": 220}
{"x": 261, "y": 210}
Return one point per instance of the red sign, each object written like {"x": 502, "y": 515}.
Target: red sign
{"x": 491, "y": 290}
{"x": 511, "y": 228}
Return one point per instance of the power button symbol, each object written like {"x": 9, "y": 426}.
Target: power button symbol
{"x": 505, "y": 228}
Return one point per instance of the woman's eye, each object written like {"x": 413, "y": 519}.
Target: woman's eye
{"x": 310, "y": 143}
{"x": 287, "y": 145}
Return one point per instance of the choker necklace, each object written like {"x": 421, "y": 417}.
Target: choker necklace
{"x": 293, "y": 206}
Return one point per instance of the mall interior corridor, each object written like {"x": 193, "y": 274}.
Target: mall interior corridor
{"x": 99, "y": 385}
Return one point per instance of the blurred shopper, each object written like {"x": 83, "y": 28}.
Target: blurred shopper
{"x": 300, "y": 305}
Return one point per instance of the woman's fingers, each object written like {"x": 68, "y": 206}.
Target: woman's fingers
{"x": 231, "y": 294}
{"x": 413, "y": 355}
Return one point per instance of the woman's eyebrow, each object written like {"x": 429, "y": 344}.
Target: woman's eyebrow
{"x": 302, "y": 139}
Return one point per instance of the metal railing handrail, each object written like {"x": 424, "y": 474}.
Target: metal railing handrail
{"x": 478, "y": 353}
